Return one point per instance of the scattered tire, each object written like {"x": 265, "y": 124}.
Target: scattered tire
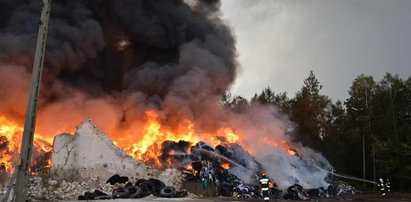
{"x": 168, "y": 191}
{"x": 89, "y": 196}
{"x": 99, "y": 193}
{"x": 181, "y": 194}
{"x": 134, "y": 192}
{"x": 159, "y": 184}
{"x": 113, "y": 179}
{"x": 103, "y": 198}
{"x": 147, "y": 186}
{"x": 139, "y": 182}
{"x": 128, "y": 184}
{"x": 123, "y": 179}
{"x": 117, "y": 179}
{"x": 121, "y": 193}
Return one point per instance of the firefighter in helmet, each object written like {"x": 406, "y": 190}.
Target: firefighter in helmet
{"x": 265, "y": 183}
{"x": 381, "y": 186}
{"x": 388, "y": 185}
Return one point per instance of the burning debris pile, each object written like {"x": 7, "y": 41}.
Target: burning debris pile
{"x": 90, "y": 156}
{"x": 151, "y": 75}
{"x": 83, "y": 162}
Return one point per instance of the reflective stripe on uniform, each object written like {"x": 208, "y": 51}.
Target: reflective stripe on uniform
{"x": 264, "y": 189}
{"x": 266, "y": 198}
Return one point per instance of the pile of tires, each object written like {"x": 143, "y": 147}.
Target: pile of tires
{"x": 141, "y": 188}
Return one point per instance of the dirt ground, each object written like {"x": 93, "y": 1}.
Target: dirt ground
{"x": 359, "y": 197}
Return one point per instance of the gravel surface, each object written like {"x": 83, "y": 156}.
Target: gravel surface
{"x": 359, "y": 197}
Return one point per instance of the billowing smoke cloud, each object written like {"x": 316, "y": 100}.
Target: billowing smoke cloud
{"x": 264, "y": 129}
{"x": 112, "y": 60}
{"x": 165, "y": 50}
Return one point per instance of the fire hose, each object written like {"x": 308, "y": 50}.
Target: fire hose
{"x": 229, "y": 160}
{"x": 345, "y": 176}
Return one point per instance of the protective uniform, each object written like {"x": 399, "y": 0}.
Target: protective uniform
{"x": 382, "y": 187}
{"x": 265, "y": 182}
{"x": 388, "y": 185}
{"x": 206, "y": 174}
{"x": 2, "y": 168}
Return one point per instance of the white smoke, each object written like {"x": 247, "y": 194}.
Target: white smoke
{"x": 258, "y": 123}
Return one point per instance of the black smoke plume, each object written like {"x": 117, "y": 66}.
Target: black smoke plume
{"x": 168, "y": 52}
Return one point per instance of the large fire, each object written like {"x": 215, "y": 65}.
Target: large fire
{"x": 154, "y": 134}
{"x": 147, "y": 149}
{"x": 10, "y": 142}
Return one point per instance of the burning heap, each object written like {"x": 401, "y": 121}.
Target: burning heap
{"x": 147, "y": 72}
{"x": 10, "y": 142}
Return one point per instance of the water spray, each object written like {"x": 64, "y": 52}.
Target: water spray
{"x": 344, "y": 176}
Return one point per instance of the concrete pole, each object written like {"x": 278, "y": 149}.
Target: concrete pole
{"x": 30, "y": 121}
{"x": 363, "y": 151}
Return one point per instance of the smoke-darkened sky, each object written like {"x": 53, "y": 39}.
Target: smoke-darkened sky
{"x": 279, "y": 41}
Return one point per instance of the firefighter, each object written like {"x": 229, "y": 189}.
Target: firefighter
{"x": 265, "y": 183}
{"x": 206, "y": 175}
{"x": 382, "y": 187}
{"x": 3, "y": 175}
{"x": 2, "y": 168}
{"x": 388, "y": 185}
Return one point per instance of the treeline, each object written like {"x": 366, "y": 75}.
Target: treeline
{"x": 374, "y": 121}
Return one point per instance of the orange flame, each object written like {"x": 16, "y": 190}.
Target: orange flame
{"x": 225, "y": 165}
{"x": 286, "y": 146}
{"x": 148, "y": 148}
{"x": 10, "y": 142}
{"x": 144, "y": 144}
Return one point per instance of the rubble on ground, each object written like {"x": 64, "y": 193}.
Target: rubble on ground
{"x": 50, "y": 189}
{"x": 114, "y": 187}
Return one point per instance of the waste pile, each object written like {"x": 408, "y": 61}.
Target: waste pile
{"x": 123, "y": 188}
{"x": 228, "y": 165}
{"x": 221, "y": 161}
{"x": 51, "y": 189}
{"x": 115, "y": 187}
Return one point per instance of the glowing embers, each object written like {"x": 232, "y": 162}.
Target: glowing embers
{"x": 121, "y": 42}
{"x": 225, "y": 165}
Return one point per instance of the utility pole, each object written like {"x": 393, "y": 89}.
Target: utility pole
{"x": 363, "y": 128}
{"x": 23, "y": 174}
{"x": 363, "y": 151}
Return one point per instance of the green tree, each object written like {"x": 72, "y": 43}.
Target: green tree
{"x": 359, "y": 125}
{"x": 268, "y": 97}
{"x": 391, "y": 115}
{"x": 234, "y": 103}
{"x": 308, "y": 111}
